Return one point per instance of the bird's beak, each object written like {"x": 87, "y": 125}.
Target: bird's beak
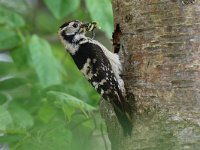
{"x": 83, "y": 28}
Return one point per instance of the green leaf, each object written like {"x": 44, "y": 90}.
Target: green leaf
{"x": 8, "y": 39}
{"x": 46, "y": 112}
{"x": 11, "y": 83}
{"x": 71, "y": 101}
{"x": 6, "y": 68}
{"x": 21, "y": 117}
{"x": 43, "y": 19}
{"x": 69, "y": 111}
{"x": 11, "y": 138}
{"x": 20, "y": 57}
{"x": 43, "y": 61}
{"x": 5, "y": 118}
{"x": 22, "y": 91}
{"x": 101, "y": 12}
{"x": 3, "y": 98}
{"x": 51, "y": 137}
{"x": 62, "y": 8}
{"x": 10, "y": 18}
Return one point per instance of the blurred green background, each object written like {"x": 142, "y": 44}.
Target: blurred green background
{"x": 45, "y": 103}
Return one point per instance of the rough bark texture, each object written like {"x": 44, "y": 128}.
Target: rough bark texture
{"x": 161, "y": 41}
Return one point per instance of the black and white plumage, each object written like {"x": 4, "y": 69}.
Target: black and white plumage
{"x": 101, "y": 68}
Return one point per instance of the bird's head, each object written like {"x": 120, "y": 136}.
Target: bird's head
{"x": 72, "y": 28}
{"x": 70, "y": 33}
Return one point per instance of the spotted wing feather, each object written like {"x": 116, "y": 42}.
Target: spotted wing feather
{"x": 98, "y": 71}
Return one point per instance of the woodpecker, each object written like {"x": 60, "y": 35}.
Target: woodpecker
{"x": 100, "y": 67}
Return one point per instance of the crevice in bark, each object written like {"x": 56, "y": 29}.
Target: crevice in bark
{"x": 116, "y": 38}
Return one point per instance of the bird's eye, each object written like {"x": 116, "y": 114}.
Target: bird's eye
{"x": 75, "y": 25}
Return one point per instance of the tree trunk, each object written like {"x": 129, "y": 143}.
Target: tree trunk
{"x": 160, "y": 42}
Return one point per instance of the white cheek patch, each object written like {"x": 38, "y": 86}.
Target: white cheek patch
{"x": 69, "y": 33}
{"x": 65, "y": 30}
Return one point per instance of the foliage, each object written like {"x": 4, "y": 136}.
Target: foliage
{"x": 45, "y": 103}
{"x": 105, "y": 9}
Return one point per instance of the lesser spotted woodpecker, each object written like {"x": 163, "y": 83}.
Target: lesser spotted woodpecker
{"x": 100, "y": 66}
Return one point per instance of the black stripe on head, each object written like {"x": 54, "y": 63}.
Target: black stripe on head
{"x": 67, "y": 23}
{"x": 64, "y": 25}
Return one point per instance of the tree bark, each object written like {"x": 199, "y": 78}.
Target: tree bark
{"x": 160, "y": 42}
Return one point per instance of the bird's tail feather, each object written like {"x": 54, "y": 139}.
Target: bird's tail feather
{"x": 125, "y": 120}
